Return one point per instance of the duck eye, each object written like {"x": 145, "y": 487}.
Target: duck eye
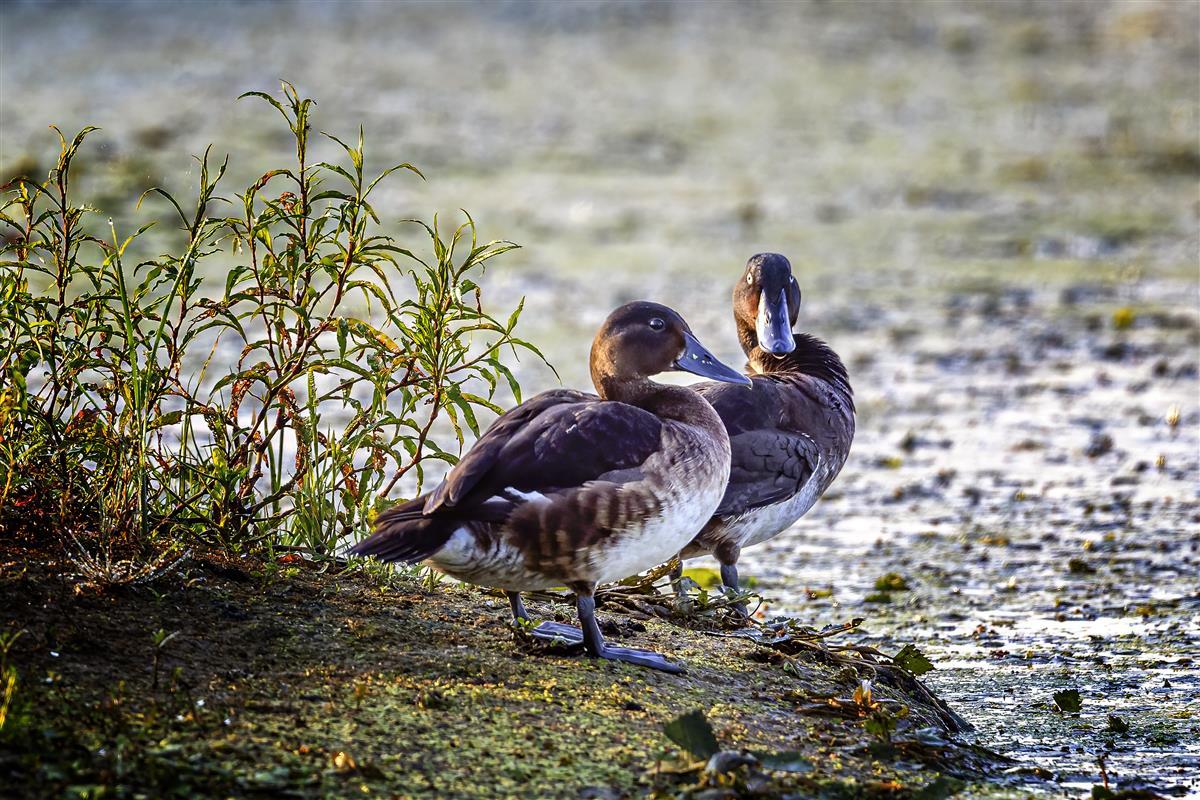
{"x": 656, "y": 324}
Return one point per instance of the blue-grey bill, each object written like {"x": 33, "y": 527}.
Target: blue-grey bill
{"x": 697, "y": 360}
{"x": 774, "y": 324}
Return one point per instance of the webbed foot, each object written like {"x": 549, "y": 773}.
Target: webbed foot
{"x": 596, "y": 647}
{"x": 557, "y": 633}
{"x": 642, "y": 658}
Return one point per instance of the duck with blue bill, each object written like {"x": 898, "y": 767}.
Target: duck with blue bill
{"x": 576, "y": 489}
{"x": 790, "y": 435}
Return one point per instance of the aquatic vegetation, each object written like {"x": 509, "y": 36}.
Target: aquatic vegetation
{"x": 264, "y": 385}
{"x": 1068, "y": 701}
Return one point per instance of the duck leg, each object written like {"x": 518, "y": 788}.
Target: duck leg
{"x": 676, "y": 577}
{"x": 547, "y": 631}
{"x": 518, "y": 607}
{"x": 593, "y": 640}
{"x": 729, "y": 576}
{"x": 729, "y": 579}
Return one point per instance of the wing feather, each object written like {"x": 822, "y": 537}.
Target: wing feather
{"x": 557, "y": 440}
{"x": 564, "y": 440}
{"x": 772, "y": 457}
{"x": 768, "y": 466}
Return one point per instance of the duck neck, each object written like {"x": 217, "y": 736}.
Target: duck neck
{"x": 669, "y": 402}
{"x": 810, "y": 357}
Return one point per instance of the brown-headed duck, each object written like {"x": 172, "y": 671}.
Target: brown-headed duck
{"x": 574, "y": 489}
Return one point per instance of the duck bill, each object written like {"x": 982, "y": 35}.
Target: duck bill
{"x": 774, "y": 324}
{"x": 697, "y": 360}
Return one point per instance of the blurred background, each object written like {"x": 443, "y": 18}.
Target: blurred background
{"x": 993, "y": 210}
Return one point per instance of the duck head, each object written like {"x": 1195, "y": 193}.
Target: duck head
{"x": 642, "y": 339}
{"x": 766, "y": 303}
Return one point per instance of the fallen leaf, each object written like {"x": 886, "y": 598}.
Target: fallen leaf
{"x": 784, "y": 762}
{"x": 910, "y": 659}
{"x": 692, "y": 732}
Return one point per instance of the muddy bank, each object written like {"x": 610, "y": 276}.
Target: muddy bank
{"x": 240, "y": 678}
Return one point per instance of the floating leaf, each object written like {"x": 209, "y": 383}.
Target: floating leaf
{"x": 692, "y": 732}
{"x": 1077, "y": 566}
{"x": 891, "y": 582}
{"x": 1123, "y": 318}
{"x": 910, "y": 659}
{"x": 1068, "y": 701}
{"x": 1117, "y": 725}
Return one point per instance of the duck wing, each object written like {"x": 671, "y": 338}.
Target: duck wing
{"x": 768, "y": 467}
{"x": 771, "y": 459}
{"x": 558, "y": 440}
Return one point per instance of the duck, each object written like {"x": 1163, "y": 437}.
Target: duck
{"x": 577, "y": 489}
{"x": 789, "y": 436}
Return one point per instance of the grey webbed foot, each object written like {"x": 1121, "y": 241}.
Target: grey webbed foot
{"x": 593, "y": 641}
{"x": 550, "y": 632}
{"x": 556, "y": 632}
{"x": 643, "y": 658}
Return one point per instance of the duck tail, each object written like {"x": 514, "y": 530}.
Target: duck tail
{"x": 403, "y": 533}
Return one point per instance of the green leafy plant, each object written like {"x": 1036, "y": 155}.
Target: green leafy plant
{"x": 880, "y": 717}
{"x": 693, "y": 733}
{"x": 265, "y": 385}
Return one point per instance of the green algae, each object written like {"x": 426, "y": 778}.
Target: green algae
{"x": 324, "y": 685}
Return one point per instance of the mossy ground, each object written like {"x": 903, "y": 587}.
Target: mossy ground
{"x": 291, "y": 680}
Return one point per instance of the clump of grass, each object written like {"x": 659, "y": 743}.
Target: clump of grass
{"x": 267, "y": 384}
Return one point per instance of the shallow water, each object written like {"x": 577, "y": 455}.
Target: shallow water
{"x": 968, "y": 194}
{"x": 1034, "y": 568}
